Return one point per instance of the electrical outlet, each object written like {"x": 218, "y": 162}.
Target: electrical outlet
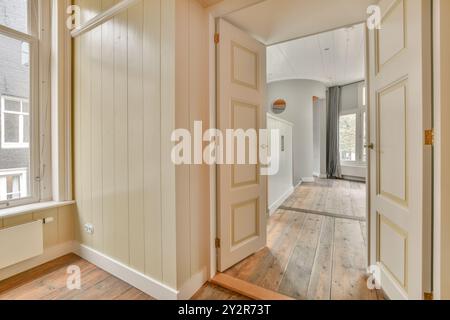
{"x": 89, "y": 228}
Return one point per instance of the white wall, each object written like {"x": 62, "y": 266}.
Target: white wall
{"x": 281, "y": 185}
{"x": 299, "y": 97}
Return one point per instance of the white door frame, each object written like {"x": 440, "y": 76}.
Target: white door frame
{"x": 441, "y": 44}
{"x": 213, "y": 123}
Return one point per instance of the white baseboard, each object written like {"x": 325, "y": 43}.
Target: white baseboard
{"x": 193, "y": 285}
{"x": 308, "y": 179}
{"x": 320, "y": 176}
{"x": 48, "y": 255}
{"x": 274, "y": 207}
{"x": 138, "y": 280}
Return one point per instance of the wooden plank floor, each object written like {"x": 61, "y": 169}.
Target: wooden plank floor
{"x": 48, "y": 282}
{"x": 315, "y": 256}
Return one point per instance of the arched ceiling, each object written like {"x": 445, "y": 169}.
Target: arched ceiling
{"x": 333, "y": 58}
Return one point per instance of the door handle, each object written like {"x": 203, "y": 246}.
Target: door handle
{"x": 370, "y": 146}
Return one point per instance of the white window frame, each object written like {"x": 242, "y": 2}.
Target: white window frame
{"x": 362, "y": 108}
{"x": 39, "y": 40}
{"x": 14, "y": 145}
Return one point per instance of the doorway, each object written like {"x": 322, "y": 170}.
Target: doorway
{"x": 389, "y": 263}
{"x": 316, "y": 232}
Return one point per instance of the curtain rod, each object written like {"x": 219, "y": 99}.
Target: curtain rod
{"x": 102, "y": 18}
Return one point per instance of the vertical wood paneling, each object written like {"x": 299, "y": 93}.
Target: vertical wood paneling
{"x": 121, "y": 228}
{"x": 85, "y": 109}
{"x": 183, "y": 121}
{"x": 199, "y": 111}
{"x": 96, "y": 133}
{"x": 128, "y": 82}
{"x": 66, "y": 225}
{"x": 76, "y": 69}
{"x": 152, "y": 138}
{"x": 136, "y": 137}
{"x": 108, "y": 132}
{"x": 168, "y": 119}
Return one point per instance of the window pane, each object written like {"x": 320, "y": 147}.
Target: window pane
{"x": 15, "y": 127}
{"x": 11, "y": 130}
{"x": 12, "y": 105}
{"x": 14, "y": 14}
{"x": 25, "y": 107}
{"x": 347, "y": 137}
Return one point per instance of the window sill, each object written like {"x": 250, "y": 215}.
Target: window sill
{"x": 29, "y": 208}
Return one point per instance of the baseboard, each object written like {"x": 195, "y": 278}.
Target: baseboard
{"x": 190, "y": 288}
{"x": 320, "y": 176}
{"x": 308, "y": 179}
{"x": 137, "y": 279}
{"x": 49, "y": 254}
{"x": 273, "y": 208}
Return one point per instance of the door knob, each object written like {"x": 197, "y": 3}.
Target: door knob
{"x": 370, "y": 146}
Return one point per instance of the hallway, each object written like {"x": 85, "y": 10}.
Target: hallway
{"x": 316, "y": 245}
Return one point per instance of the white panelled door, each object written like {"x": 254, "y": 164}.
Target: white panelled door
{"x": 242, "y": 191}
{"x": 400, "y": 95}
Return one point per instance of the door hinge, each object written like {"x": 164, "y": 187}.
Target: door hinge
{"x": 217, "y": 243}
{"x": 216, "y": 38}
{"x": 429, "y": 137}
{"x": 428, "y": 296}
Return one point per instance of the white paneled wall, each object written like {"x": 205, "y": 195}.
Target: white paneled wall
{"x": 136, "y": 77}
{"x": 117, "y": 136}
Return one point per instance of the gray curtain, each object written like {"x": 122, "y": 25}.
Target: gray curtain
{"x": 333, "y": 111}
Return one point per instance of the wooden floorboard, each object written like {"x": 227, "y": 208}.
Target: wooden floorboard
{"x": 317, "y": 245}
{"x": 49, "y": 282}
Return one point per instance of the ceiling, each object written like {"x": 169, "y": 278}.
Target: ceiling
{"x": 274, "y": 21}
{"x": 333, "y": 58}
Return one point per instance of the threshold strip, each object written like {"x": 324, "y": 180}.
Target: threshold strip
{"x": 247, "y": 289}
{"x": 326, "y": 214}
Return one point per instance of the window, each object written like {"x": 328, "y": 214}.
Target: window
{"x": 19, "y": 94}
{"x": 352, "y": 129}
{"x": 13, "y": 184}
{"x": 347, "y": 137}
{"x": 15, "y": 123}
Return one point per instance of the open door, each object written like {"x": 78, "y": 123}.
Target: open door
{"x": 242, "y": 191}
{"x": 400, "y": 112}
